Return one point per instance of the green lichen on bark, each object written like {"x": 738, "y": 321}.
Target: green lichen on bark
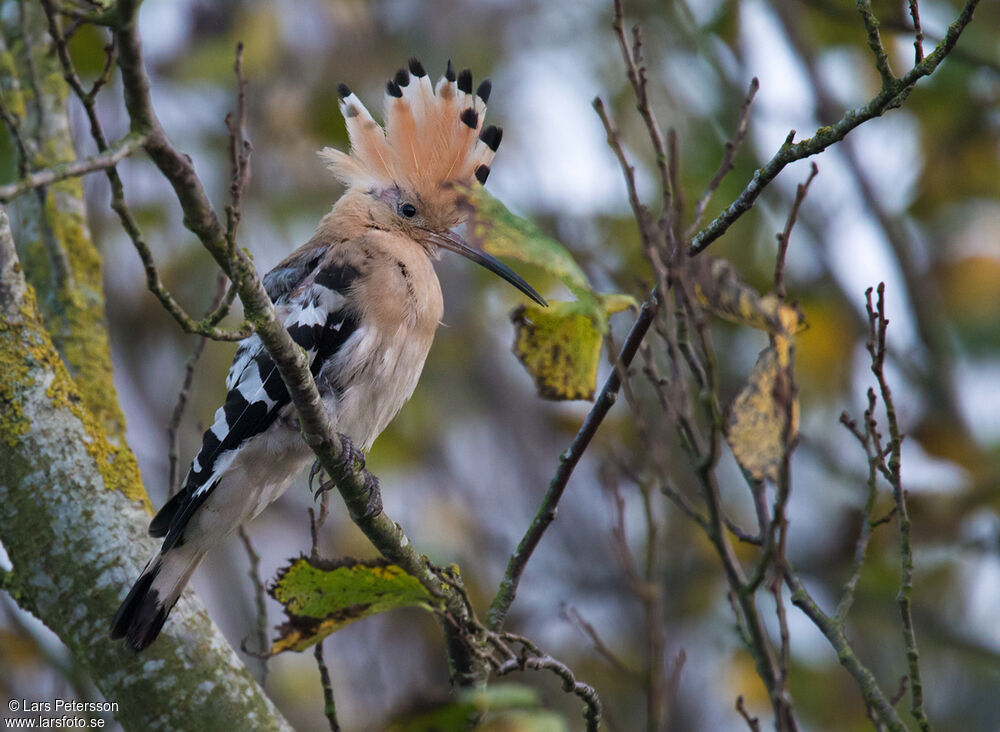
{"x": 55, "y": 246}
{"x": 25, "y": 347}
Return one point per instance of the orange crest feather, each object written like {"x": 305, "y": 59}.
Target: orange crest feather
{"x": 433, "y": 136}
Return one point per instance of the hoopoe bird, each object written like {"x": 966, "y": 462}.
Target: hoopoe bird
{"x": 360, "y": 297}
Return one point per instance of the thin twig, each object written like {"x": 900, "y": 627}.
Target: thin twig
{"x": 567, "y": 462}
{"x": 600, "y": 647}
{"x": 636, "y": 69}
{"x": 875, "y": 42}
{"x": 239, "y": 153}
{"x": 204, "y": 327}
{"x": 329, "y": 706}
{"x": 732, "y": 146}
{"x": 867, "y": 524}
{"x": 260, "y": 601}
{"x": 115, "y": 153}
{"x": 918, "y": 41}
{"x": 639, "y": 209}
{"x": 891, "y": 470}
{"x": 705, "y": 457}
{"x": 223, "y": 296}
{"x": 586, "y": 693}
{"x": 752, "y": 722}
{"x": 779, "y": 268}
{"x": 834, "y": 632}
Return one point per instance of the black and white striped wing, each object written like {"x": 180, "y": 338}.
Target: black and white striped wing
{"x": 319, "y": 319}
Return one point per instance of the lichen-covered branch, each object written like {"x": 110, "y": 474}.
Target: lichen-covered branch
{"x": 834, "y": 632}
{"x": 53, "y": 239}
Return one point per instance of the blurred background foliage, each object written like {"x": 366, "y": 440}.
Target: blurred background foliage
{"x": 912, "y": 199}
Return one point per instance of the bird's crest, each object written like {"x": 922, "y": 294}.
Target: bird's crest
{"x": 433, "y": 135}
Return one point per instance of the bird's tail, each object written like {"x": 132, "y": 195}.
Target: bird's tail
{"x": 145, "y": 608}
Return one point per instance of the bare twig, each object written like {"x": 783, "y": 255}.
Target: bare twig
{"x": 239, "y": 153}
{"x": 891, "y": 470}
{"x": 329, "y": 706}
{"x": 206, "y": 327}
{"x": 733, "y": 145}
{"x": 834, "y": 632}
{"x": 639, "y": 209}
{"x": 600, "y": 647}
{"x": 779, "y": 268}
{"x": 752, "y": 722}
{"x": 567, "y": 462}
{"x": 875, "y": 42}
{"x": 173, "y": 477}
{"x": 918, "y": 41}
{"x": 317, "y": 518}
{"x": 73, "y": 169}
{"x": 260, "y": 601}
{"x": 636, "y": 69}
{"x": 586, "y": 693}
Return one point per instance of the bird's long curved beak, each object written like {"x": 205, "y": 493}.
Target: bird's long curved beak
{"x": 455, "y": 243}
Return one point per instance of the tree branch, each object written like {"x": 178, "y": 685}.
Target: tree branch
{"x": 567, "y": 462}
{"x": 117, "y": 152}
{"x": 888, "y": 97}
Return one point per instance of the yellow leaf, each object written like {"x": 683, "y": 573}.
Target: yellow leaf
{"x": 560, "y": 347}
{"x": 758, "y": 429}
{"x": 721, "y": 291}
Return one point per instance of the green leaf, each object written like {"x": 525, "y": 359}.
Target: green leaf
{"x": 500, "y": 708}
{"x": 496, "y": 230}
{"x": 322, "y": 597}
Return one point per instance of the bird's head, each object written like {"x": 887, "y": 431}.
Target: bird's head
{"x": 409, "y": 177}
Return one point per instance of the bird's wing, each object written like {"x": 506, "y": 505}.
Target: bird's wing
{"x": 281, "y": 281}
{"x": 319, "y": 317}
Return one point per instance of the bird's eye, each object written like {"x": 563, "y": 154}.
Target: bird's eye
{"x": 408, "y": 210}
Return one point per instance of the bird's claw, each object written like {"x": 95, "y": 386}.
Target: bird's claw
{"x": 351, "y": 456}
{"x": 374, "y": 505}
